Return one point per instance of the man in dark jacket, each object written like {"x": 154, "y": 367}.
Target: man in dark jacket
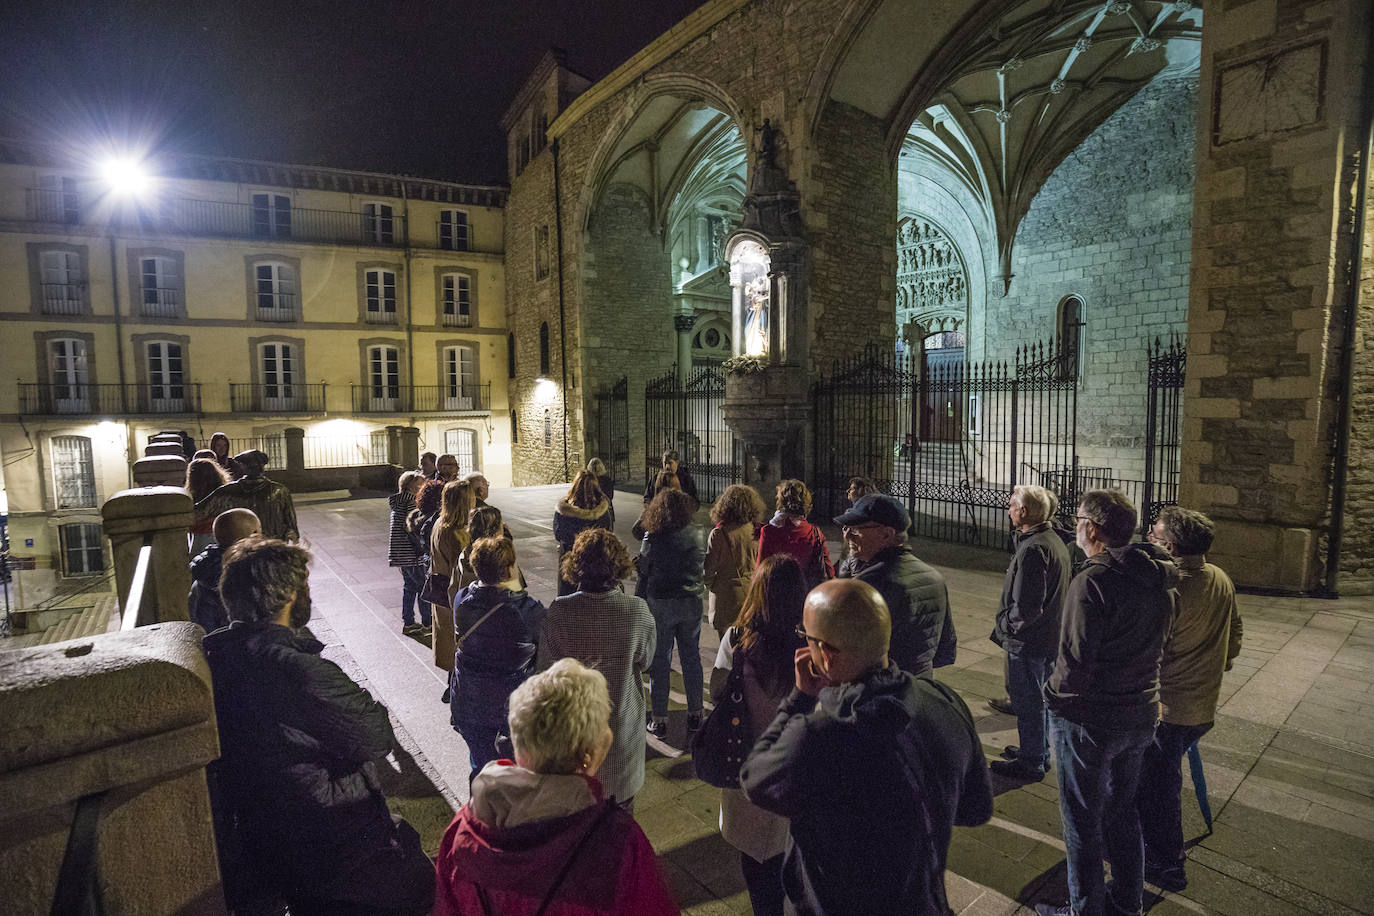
{"x": 1103, "y": 698}
{"x": 671, "y": 463}
{"x": 871, "y": 766}
{"x": 269, "y": 500}
{"x": 205, "y": 606}
{"x": 299, "y": 739}
{"x": 923, "y": 635}
{"x": 1027, "y": 625}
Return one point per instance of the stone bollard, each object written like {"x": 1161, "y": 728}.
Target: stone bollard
{"x": 124, "y": 721}
{"x": 165, "y": 514}
{"x": 410, "y": 449}
{"x": 155, "y": 449}
{"x": 160, "y": 471}
{"x": 295, "y": 448}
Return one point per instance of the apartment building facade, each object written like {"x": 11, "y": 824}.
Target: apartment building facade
{"x": 233, "y": 296}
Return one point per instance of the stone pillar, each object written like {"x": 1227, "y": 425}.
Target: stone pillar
{"x": 129, "y": 715}
{"x": 408, "y": 456}
{"x": 295, "y": 448}
{"x": 161, "y": 515}
{"x": 160, "y": 471}
{"x": 1278, "y": 139}
{"x": 154, "y": 449}
{"x": 683, "y": 325}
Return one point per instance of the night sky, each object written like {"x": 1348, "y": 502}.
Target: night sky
{"x": 409, "y": 87}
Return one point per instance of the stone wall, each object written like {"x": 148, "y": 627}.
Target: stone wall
{"x": 1113, "y": 226}
{"x": 1357, "y": 549}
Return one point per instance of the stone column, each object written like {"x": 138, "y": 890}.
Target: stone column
{"x": 160, "y": 471}
{"x": 295, "y": 448}
{"x": 1272, "y": 243}
{"x": 683, "y": 325}
{"x": 409, "y": 457}
{"x": 162, "y": 516}
{"x": 155, "y": 449}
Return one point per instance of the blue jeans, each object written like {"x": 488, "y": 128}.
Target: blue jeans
{"x": 1098, "y": 770}
{"x": 678, "y": 620}
{"x": 1161, "y": 779}
{"x": 481, "y": 742}
{"x": 412, "y": 583}
{"x": 1026, "y": 676}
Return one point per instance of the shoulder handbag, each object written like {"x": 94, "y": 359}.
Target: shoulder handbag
{"x": 725, "y": 738}
{"x": 436, "y": 589}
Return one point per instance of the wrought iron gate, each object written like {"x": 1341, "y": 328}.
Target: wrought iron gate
{"x": 687, "y": 417}
{"x": 613, "y": 429}
{"x": 1163, "y": 429}
{"x": 951, "y": 441}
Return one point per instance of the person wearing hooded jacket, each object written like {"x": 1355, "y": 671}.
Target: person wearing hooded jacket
{"x": 538, "y": 835}
{"x": 584, "y": 507}
{"x": 1103, "y": 700}
{"x": 871, "y": 766}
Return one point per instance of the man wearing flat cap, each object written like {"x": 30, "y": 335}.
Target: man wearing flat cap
{"x": 267, "y": 499}
{"x": 923, "y": 635}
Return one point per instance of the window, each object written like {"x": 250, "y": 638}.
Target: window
{"x": 454, "y": 234}
{"x": 275, "y": 290}
{"x": 159, "y": 286}
{"x": 58, "y": 201}
{"x": 457, "y": 300}
{"x": 73, "y": 472}
{"x": 460, "y": 378}
{"x": 378, "y": 224}
{"x": 83, "y": 552}
{"x": 540, "y": 137}
{"x": 514, "y": 429}
{"x": 541, "y": 252}
{"x": 272, "y": 216}
{"x": 62, "y": 282}
{"x": 462, "y": 443}
{"x": 510, "y": 356}
{"x": 544, "y": 350}
{"x": 67, "y": 367}
{"x": 1070, "y": 337}
{"x": 166, "y": 393}
{"x": 548, "y": 429}
{"x": 383, "y": 377}
{"x": 279, "y": 389}
{"x": 380, "y": 290}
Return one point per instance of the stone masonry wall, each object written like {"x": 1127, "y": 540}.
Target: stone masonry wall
{"x": 1113, "y": 226}
{"x": 1357, "y": 551}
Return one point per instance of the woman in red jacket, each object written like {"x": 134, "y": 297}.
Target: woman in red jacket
{"x": 538, "y": 836}
{"x": 789, "y": 532}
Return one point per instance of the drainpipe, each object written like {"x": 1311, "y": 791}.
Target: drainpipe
{"x": 1348, "y": 327}
{"x": 410, "y": 300}
{"x": 562, "y": 310}
{"x": 129, "y": 442}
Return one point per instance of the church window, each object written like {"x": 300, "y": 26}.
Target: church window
{"x": 510, "y": 356}
{"x": 1070, "y": 337}
{"x": 542, "y": 266}
{"x": 544, "y": 350}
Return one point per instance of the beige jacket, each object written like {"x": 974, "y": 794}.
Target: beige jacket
{"x": 445, "y": 554}
{"x": 731, "y": 556}
{"x": 1205, "y": 637}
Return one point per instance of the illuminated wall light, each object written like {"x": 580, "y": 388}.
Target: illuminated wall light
{"x": 125, "y": 176}
{"x": 544, "y": 390}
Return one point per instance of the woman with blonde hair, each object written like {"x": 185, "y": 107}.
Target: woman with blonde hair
{"x": 597, "y": 468}
{"x": 537, "y": 836}
{"x": 732, "y": 551}
{"x": 447, "y": 541}
{"x": 789, "y": 532}
{"x": 584, "y": 507}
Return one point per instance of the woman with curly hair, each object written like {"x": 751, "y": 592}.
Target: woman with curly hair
{"x": 602, "y": 626}
{"x": 732, "y": 551}
{"x": 764, "y": 642}
{"x": 789, "y": 532}
{"x": 584, "y": 507}
{"x": 203, "y": 477}
{"x": 670, "y": 566}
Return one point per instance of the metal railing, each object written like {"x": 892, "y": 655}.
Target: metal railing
{"x": 282, "y": 307}
{"x": 345, "y": 451}
{"x": 284, "y": 398}
{"x": 381, "y": 316}
{"x": 160, "y": 302}
{"x": 455, "y": 320}
{"x": 44, "y": 399}
{"x": 421, "y": 398}
{"x": 63, "y": 298}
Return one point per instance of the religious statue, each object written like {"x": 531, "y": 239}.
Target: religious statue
{"x": 269, "y": 500}
{"x": 756, "y": 316}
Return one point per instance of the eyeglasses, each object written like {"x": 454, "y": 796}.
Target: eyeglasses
{"x": 820, "y": 643}
{"x": 1083, "y": 518}
{"x": 864, "y": 527}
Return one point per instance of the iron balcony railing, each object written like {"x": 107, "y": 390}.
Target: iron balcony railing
{"x": 381, "y": 316}
{"x": 160, "y": 302}
{"x": 86, "y": 399}
{"x": 222, "y": 219}
{"x": 455, "y": 319}
{"x": 280, "y": 398}
{"x": 421, "y": 398}
{"x": 277, "y": 307}
{"x": 63, "y": 298}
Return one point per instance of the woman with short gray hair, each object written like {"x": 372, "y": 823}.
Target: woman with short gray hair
{"x": 537, "y": 835}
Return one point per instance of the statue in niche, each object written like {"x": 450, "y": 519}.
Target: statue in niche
{"x": 756, "y": 316}
{"x": 718, "y": 233}
{"x": 768, "y": 144}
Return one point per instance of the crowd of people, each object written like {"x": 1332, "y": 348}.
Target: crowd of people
{"x": 854, "y": 762}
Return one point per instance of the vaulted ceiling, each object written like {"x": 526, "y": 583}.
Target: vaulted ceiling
{"x": 1034, "y": 85}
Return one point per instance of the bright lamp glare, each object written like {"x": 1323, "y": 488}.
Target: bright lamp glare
{"x": 125, "y": 176}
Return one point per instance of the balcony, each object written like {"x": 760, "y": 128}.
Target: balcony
{"x": 161, "y": 302}
{"x": 276, "y": 399}
{"x": 404, "y": 399}
{"x": 63, "y": 298}
{"x": 455, "y": 319}
{"x": 41, "y": 399}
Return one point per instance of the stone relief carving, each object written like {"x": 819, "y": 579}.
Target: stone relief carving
{"x": 932, "y": 285}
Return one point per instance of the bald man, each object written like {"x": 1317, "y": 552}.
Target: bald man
{"x": 871, "y": 766}
{"x": 204, "y": 603}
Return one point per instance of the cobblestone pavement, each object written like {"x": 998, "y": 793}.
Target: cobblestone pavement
{"x": 1289, "y": 765}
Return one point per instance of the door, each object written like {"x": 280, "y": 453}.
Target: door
{"x": 279, "y": 389}
{"x": 70, "y": 391}
{"x": 460, "y": 381}
{"x": 166, "y": 390}
{"x": 384, "y": 378}
{"x": 943, "y": 409}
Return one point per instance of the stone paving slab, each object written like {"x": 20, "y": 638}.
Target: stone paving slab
{"x": 1289, "y": 764}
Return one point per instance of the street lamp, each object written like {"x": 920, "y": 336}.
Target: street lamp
{"x": 125, "y": 176}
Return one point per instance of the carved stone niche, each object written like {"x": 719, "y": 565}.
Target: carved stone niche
{"x": 767, "y": 403}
